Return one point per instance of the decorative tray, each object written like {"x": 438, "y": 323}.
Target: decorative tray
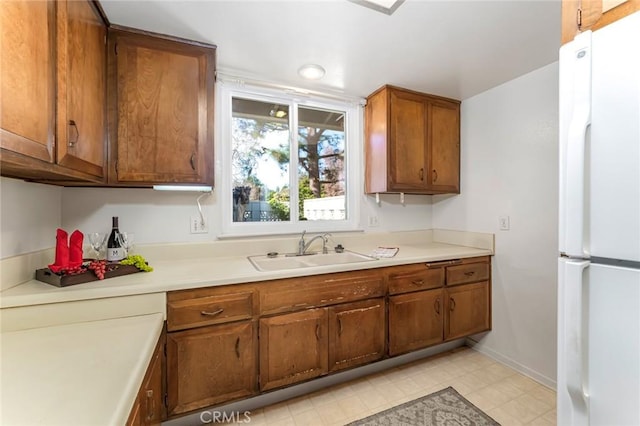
{"x": 112, "y": 270}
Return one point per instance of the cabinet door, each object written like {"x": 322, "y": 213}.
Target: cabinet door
{"x": 293, "y": 348}
{"x": 408, "y": 145}
{"x": 27, "y": 70}
{"x": 415, "y": 320}
{"x": 209, "y": 365}
{"x": 468, "y": 310}
{"x": 151, "y": 396}
{"x": 164, "y": 110}
{"x": 82, "y": 68}
{"x": 356, "y": 333}
{"x": 444, "y": 147}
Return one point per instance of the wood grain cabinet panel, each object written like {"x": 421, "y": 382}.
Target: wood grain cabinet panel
{"x": 468, "y": 310}
{"x": 415, "y": 320}
{"x": 209, "y": 310}
{"x": 467, "y": 273}
{"x": 293, "y": 348}
{"x": 412, "y": 142}
{"x": 27, "y": 78}
{"x": 404, "y": 279}
{"x": 82, "y": 85}
{"x": 211, "y": 364}
{"x": 164, "y": 103}
{"x": 53, "y": 77}
{"x": 357, "y": 333}
{"x": 148, "y": 407}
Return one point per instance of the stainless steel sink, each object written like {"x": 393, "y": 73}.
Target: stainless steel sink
{"x": 266, "y": 263}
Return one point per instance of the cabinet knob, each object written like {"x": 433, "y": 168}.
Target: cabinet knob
{"x": 470, "y": 273}
{"x": 435, "y": 175}
{"x": 318, "y": 331}
{"x": 436, "y": 306}
{"x": 73, "y": 140}
{"x": 192, "y": 161}
{"x": 452, "y": 304}
{"x": 421, "y": 174}
{"x": 238, "y": 347}
{"x": 417, "y": 282}
{"x": 339, "y": 327}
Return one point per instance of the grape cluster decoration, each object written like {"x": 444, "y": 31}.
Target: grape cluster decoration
{"x": 138, "y": 261}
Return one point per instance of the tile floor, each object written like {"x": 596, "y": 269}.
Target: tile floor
{"x": 506, "y": 395}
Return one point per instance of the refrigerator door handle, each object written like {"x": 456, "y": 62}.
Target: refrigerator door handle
{"x": 573, "y": 208}
{"x": 575, "y": 341}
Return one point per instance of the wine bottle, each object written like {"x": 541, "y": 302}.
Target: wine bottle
{"x": 115, "y": 251}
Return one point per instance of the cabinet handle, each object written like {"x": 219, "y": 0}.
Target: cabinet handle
{"x": 238, "y": 348}
{"x": 417, "y": 282}
{"x": 74, "y": 126}
{"x": 470, "y": 273}
{"x": 318, "y": 331}
{"x": 421, "y": 174}
{"x": 436, "y": 306}
{"x": 193, "y": 161}
{"x": 212, "y": 314}
{"x": 435, "y": 175}
{"x": 452, "y": 304}
{"x": 339, "y": 327}
{"x": 151, "y": 405}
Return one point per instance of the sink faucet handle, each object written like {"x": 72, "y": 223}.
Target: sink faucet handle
{"x": 301, "y": 243}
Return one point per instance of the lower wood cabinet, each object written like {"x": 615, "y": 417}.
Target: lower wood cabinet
{"x": 231, "y": 342}
{"x": 209, "y": 365}
{"x": 467, "y": 308}
{"x": 293, "y": 348}
{"x": 415, "y": 320}
{"x": 357, "y": 333}
{"x": 148, "y": 408}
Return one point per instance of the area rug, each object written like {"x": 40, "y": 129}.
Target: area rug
{"x": 443, "y": 408}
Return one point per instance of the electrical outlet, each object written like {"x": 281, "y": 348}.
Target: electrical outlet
{"x": 197, "y": 227}
{"x": 373, "y": 221}
{"x": 503, "y": 221}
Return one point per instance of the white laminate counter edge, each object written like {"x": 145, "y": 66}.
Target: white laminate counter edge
{"x": 82, "y": 373}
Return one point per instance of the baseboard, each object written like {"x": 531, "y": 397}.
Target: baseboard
{"x": 540, "y": 378}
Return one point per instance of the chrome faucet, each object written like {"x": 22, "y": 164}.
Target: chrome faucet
{"x": 303, "y": 246}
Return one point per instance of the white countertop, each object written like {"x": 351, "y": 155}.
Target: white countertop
{"x": 217, "y": 270}
{"x": 76, "y": 374}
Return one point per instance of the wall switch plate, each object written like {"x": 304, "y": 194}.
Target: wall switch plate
{"x": 197, "y": 227}
{"x": 373, "y": 221}
{"x": 504, "y": 223}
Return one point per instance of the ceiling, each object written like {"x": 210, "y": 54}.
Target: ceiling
{"x": 452, "y": 48}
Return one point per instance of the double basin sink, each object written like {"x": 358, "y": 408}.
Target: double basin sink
{"x": 277, "y": 262}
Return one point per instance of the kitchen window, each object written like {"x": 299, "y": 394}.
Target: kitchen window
{"x": 289, "y": 162}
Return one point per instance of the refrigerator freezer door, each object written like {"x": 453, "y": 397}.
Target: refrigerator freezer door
{"x": 613, "y": 216}
{"x": 614, "y": 345}
{"x": 575, "y": 117}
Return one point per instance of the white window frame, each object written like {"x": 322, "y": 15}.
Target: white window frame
{"x": 352, "y": 159}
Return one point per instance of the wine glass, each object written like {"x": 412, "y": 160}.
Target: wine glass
{"x": 126, "y": 240}
{"x": 97, "y": 241}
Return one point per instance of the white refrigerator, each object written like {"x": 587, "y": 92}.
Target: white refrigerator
{"x": 599, "y": 228}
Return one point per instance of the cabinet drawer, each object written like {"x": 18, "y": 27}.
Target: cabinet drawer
{"x": 467, "y": 273}
{"x": 307, "y": 292}
{"x": 413, "y": 278}
{"x": 201, "y": 311}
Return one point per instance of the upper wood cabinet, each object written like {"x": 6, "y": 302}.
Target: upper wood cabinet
{"x": 583, "y": 15}
{"x": 412, "y": 142}
{"x": 82, "y": 88}
{"x": 161, "y": 109}
{"x": 53, "y": 75}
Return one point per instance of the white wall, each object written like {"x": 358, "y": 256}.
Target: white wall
{"x": 30, "y": 213}
{"x": 509, "y": 161}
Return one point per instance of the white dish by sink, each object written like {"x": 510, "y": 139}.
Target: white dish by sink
{"x": 266, "y": 263}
